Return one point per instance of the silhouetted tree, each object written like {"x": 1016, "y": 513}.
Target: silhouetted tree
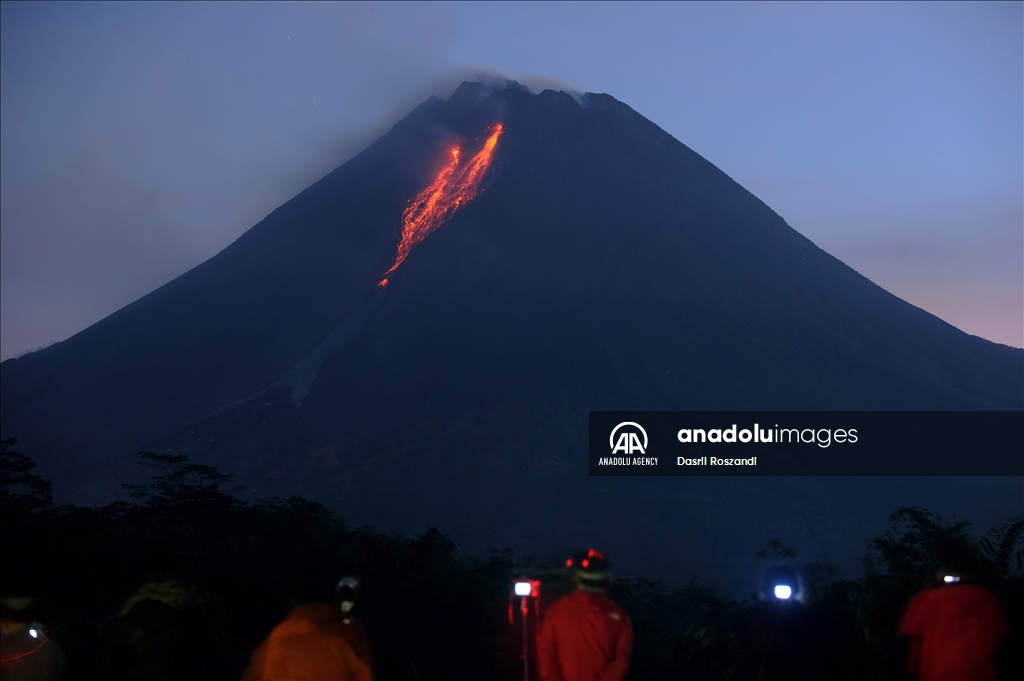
{"x": 1003, "y": 548}
{"x": 181, "y": 482}
{"x": 18, "y": 485}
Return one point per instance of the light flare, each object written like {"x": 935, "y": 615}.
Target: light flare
{"x": 455, "y": 186}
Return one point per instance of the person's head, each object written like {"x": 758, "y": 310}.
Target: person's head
{"x": 347, "y": 592}
{"x": 590, "y": 571}
{"x": 163, "y": 587}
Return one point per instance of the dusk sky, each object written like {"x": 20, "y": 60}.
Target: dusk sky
{"x": 138, "y": 140}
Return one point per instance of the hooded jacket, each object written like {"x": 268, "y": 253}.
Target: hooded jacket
{"x": 585, "y": 637}
{"x": 309, "y": 645}
{"x": 956, "y": 631}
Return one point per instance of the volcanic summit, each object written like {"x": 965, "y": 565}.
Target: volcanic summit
{"x": 591, "y": 262}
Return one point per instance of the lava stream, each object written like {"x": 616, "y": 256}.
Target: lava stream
{"x": 455, "y": 186}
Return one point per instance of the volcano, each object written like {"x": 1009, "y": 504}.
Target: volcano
{"x": 595, "y": 263}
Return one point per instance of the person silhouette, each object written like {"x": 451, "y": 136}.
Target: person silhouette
{"x": 955, "y": 628}
{"x": 312, "y": 644}
{"x": 159, "y": 633}
{"x": 27, "y": 652}
{"x": 585, "y": 635}
{"x": 346, "y": 593}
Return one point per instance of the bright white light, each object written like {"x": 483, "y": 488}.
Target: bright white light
{"x": 951, "y": 579}
{"x": 523, "y": 589}
{"x": 34, "y": 633}
{"x": 782, "y": 592}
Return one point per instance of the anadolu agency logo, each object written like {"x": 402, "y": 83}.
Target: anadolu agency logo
{"x": 628, "y": 441}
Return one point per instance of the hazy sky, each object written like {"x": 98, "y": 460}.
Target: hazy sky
{"x": 140, "y": 139}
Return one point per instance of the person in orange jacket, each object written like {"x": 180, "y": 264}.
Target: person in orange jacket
{"x": 585, "y": 636}
{"x": 955, "y": 630}
{"x": 311, "y": 644}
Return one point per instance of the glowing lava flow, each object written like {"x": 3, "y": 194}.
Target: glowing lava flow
{"x": 455, "y": 186}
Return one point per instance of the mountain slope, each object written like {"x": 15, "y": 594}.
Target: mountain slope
{"x": 604, "y": 265}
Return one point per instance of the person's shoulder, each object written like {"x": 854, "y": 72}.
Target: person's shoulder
{"x": 978, "y": 591}
{"x": 602, "y": 602}
{"x": 916, "y": 611}
{"x": 570, "y": 605}
{"x": 961, "y": 598}
{"x": 615, "y": 611}
{"x": 308, "y": 618}
{"x": 563, "y": 603}
{"x": 979, "y": 597}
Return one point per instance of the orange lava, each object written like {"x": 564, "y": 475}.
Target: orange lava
{"x": 455, "y": 186}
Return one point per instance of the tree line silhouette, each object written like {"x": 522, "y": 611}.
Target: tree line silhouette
{"x": 433, "y": 613}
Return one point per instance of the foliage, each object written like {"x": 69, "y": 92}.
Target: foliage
{"x": 433, "y": 613}
{"x": 426, "y": 606}
{"x": 1003, "y": 548}
{"x": 709, "y": 647}
{"x": 18, "y": 485}
{"x": 180, "y": 483}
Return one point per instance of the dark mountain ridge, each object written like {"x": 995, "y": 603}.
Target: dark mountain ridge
{"x": 605, "y": 265}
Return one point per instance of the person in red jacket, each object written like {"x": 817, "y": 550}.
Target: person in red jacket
{"x": 955, "y": 630}
{"x": 585, "y": 636}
